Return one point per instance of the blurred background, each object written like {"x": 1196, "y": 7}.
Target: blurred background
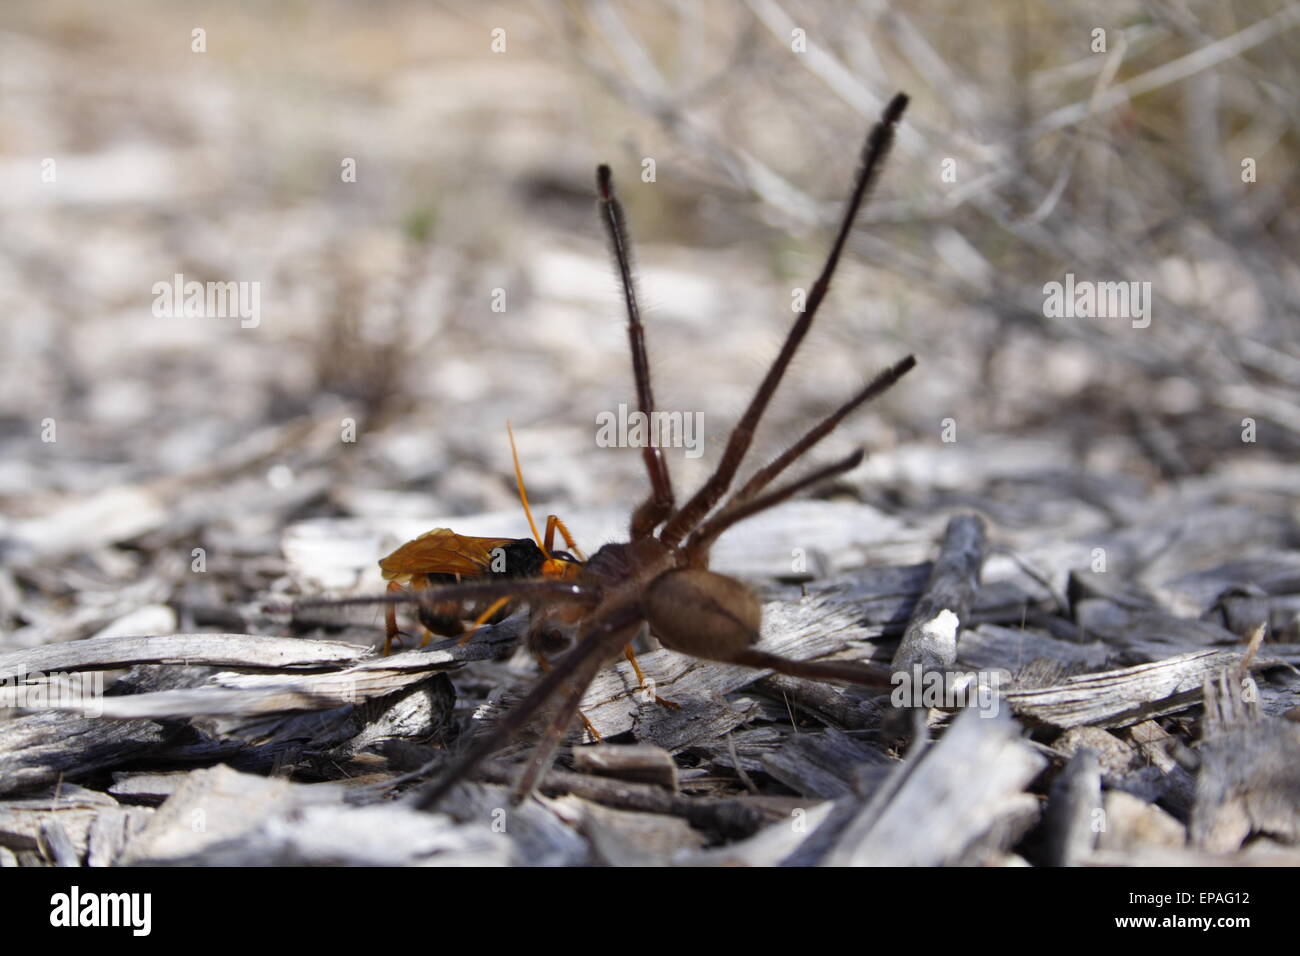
{"x": 1126, "y": 141}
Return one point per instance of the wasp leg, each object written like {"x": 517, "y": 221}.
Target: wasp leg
{"x": 391, "y": 633}
{"x": 591, "y": 728}
{"x": 436, "y": 619}
{"x": 553, "y": 522}
{"x": 483, "y": 618}
{"x": 640, "y": 676}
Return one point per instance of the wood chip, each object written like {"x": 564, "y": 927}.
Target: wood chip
{"x": 1074, "y": 811}
{"x": 643, "y": 763}
{"x": 1134, "y": 824}
{"x": 959, "y": 802}
{"x": 216, "y": 650}
{"x": 1249, "y": 778}
{"x": 1119, "y": 698}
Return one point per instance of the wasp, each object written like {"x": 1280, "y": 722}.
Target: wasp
{"x": 442, "y": 557}
{"x": 660, "y": 577}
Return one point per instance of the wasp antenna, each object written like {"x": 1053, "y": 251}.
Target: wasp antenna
{"x": 523, "y": 495}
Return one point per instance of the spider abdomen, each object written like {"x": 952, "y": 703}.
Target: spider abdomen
{"x": 703, "y": 613}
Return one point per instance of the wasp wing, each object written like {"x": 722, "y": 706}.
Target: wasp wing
{"x": 442, "y": 551}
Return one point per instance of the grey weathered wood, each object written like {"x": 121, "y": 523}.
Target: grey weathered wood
{"x": 322, "y": 717}
{"x": 848, "y": 708}
{"x": 1166, "y": 543}
{"x": 236, "y": 694}
{"x": 217, "y": 650}
{"x": 733, "y": 816}
{"x": 40, "y": 749}
{"x": 779, "y": 841}
{"x": 932, "y": 633}
{"x": 1118, "y": 698}
{"x": 1148, "y": 634}
{"x": 280, "y": 694}
{"x": 216, "y": 805}
{"x": 1177, "y": 786}
{"x": 825, "y": 764}
{"x": 324, "y": 835}
{"x": 991, "y": 646}
{"x": 1073, "y": 810}
{"x": 1114, "y": 756}
{"x": 530, "y": 833}
{"x": 151, "y": 788}
{"x": 961, "y": 800}
{"x": 887, "y": 596}
{"x": 1147, "y": 857}
{"x": 111, "y": 831}
{"x": 1249, "y": 778}
{"x": 1134, "y": 824}
{"x": 422, "y": 710}
{"x": 56, "y": 845}
{"x": 1199, "y": 592}
{"x": 628, "y": 838}
{"x": 622, "y": 794}
{"x": 1241, "y": 609}
{"x": 121, "y": 512}
{"x": 643, "y": 763}
{"x": 739, "y": 751}
{"x": 26, "y": 821}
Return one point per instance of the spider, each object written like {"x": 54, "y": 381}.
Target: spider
{"x": 660, "y": 577}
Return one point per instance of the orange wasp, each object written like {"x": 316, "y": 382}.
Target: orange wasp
{"x": 441, "y": 557}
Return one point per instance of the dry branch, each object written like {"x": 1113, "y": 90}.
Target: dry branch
{"x": 944, "y": 608}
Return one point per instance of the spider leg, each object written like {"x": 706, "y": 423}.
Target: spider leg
{"x": 523, "y": 589}
{"x": 545, "y": 665}
{"x": 570, "y": 677}
{"x": 765, "y": 475}
{"x": 840, "y": 672}
{"x": 697, "y": 548}
{"x": 659, "y": 505}
{"x": 557, "y": 725}
{"x": 703, "y": 501}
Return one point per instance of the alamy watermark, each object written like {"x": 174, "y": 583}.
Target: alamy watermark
{"x": 179, "y": 299}
{"x": 636, "y": 429}
{"x": 74, "y": 908}
{"x": 949, "y": 690}
{"x": 1085, "y": 299}
{"x": 81, "y": 691}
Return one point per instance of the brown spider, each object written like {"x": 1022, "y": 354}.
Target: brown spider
{"x": 661, "y": 577}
